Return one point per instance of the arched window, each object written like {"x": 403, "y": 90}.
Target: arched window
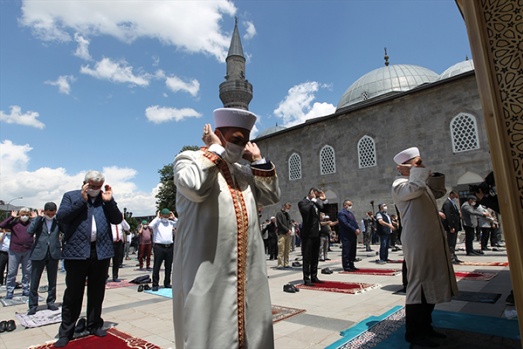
{"x": 366, "y": 152}
{"x": 464, "y": 133}
{"x": 327, "y": 160}
{"x": 294, "y": 167}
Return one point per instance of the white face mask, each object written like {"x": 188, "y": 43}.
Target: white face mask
{"x": 165, "y": 220}
{"x": 93, "y": 192}
{"x": 233, "y": 152}
{"x": 385, "y": 209}
{"x": 48, "y": 218}
{"x": 24, "y": 218}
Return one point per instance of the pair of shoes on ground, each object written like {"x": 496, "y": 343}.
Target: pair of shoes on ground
{"x": 475, "y": 253}
{"x": 326, "y": 271}
{"x": 296, "y": 264}
{"x": 312, "y": 281}
{"x": 144, "y": 287}
{"x": 81, "y": 326}
{"x": 8, "y": 326}
{"x": 290, "y": 288}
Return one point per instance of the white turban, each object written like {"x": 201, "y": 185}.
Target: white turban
{"x": 406, "y": 155}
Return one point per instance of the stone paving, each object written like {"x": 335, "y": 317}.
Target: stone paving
{"x": 327, "y": 313}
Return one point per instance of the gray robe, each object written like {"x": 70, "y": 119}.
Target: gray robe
{"x": 424, "y": 240}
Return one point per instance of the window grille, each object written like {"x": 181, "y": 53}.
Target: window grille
{"x": 327, "y": 160}
{"x": 294, "y": 167}
{"x": 464, "y": 133}
{"x": 366, "y": 152}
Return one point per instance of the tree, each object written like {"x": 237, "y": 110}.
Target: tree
{"x": 166, "y": 197}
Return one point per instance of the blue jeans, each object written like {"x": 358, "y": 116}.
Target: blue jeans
{"x": 384, "y": 247}
{"x": 15, "y": 259}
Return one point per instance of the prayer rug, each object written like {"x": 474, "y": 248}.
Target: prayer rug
{"x": 374, "y": 271}
{"x": 395, "y": 261}
{"x": 479, "y": 297}
{"x": 463, "y": 331}
{"x": 114, "y": 340}
{"x": 472, "y": 275}
{"x": 486, "y": 264}
{"x": 338, "y": 286}
{"x": 164, "y": 292}
{"x": 110, "y": 284}
{"x": 17, "y": 300}
{"x": 280, "y": 313}
{"x": 41, "y": 318}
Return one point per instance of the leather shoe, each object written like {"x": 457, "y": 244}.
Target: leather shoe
{"x": 168, "y": 286}
{"x": 80, "y": 326}
{"x": 308, "y": 283}
{"x": 289, "y": 288}
{"x": 61, "y": 342}
{"x": 296, "y": 289}
{"x": 116, "y": 280}
{"x": 31, "y": 311}
{"x": 326, "y": 271}
{"x": 316, "y": 281}
{"x": 99, "y": 332}
{"x": 155, "y": 288}
{"x": 146, "y": 287}
{"x": 3, "y": 325}
{"x": 11, "y": 326}
{"x": 52, "y": 307}
{"x": 140, "y": 288}
{"x": 434, "y": 334}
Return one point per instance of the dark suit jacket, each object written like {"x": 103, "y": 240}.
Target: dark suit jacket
{"x": 452, "y": 218}
{"x": 310, "y": 214}
{"x": 347, "y": 223}
{"x": 44, "y": 239}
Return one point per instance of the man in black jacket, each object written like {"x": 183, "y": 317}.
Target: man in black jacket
{"x": 45, "y": 254}
{"x": 310, "y": 208}
{"x": 452, "y": 223}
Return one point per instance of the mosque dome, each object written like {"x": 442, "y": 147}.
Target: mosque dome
{"x": 271, "y": 130}
{"x": 384, "y": 80}
{"x": 458, "y": 68}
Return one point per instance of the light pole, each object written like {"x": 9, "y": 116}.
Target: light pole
{"x": 7, "y": 206}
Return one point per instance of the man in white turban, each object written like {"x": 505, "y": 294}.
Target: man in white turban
{"x": 431, "y": 278}
{"x": 221, "y": 295}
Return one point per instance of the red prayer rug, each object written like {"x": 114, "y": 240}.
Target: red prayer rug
{"x": 114, "y": 340}
{"x": 473, "y": 275}
{"x": 122, "y": 283}
{"x": 395, "y": 261}
{"x": 486, "y": 264}
{"x": 374, "y": 271}
{"x": 338, "y": 286}
{"x": 280, "y": 313}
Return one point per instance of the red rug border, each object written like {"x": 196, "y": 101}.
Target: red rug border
{"x": 318, "y": 287}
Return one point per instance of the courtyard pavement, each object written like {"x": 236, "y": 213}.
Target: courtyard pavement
{"x": 149, "y": 316}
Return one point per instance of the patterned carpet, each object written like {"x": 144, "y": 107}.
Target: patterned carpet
{"x": 341, "y": 287}
{"x": 374, "y": 271}
{"x": 469, "y": 275}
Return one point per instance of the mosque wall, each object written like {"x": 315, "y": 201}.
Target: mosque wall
{"x": 419, "y": 118}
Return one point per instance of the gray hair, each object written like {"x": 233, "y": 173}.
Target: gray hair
{"x": 24, "y": 209}
{"x": 94, "y": 176}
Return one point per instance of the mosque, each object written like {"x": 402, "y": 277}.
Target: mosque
{"x": 349, "y": 153}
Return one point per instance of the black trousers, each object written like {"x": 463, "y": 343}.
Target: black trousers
{"x": 118, "y": 257}
{"x": 418, "y": 319}
{"x": 348, "y": 250}
{"x": 78, "y": 271}
{"x": 452, "y": 238}
{"x": 311, "y": 253}
{"x": 4, "y": 258}
{"x": 469, "y": 238}
{"x": 37, "y": 268}
{"x": 162, "y": 253}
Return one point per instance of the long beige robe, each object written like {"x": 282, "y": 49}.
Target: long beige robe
{"x": 423, "y": 237}
{"x": 221, "y": 295}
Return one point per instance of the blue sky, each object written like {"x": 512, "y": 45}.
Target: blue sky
{"x": 122, "y": 86}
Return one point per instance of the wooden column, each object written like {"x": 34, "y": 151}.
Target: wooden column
{"x": 495, "y": 30}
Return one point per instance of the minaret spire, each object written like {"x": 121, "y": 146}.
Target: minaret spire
{"x": 235, "y": 91}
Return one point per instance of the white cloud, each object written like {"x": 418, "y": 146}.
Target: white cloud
{"x": 193, "y": 26}
{"x": 298, "y": 106}
{"x": 82, "y": 50}
{"x": 156, "y": 61}
{"x": 250, "y": 30}
{"x": 120, "y": 72}
{"x": 63, "y": 82}
{"x": 49, "y": 184}
{"x": 176, "y": 84}
{"x": 16, "y": 117}
{"x": 160, "y": 115}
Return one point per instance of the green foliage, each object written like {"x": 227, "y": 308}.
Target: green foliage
{"x": 166, "y": 197}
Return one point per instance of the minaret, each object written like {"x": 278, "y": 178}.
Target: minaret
{"x": 236, "y": 91}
